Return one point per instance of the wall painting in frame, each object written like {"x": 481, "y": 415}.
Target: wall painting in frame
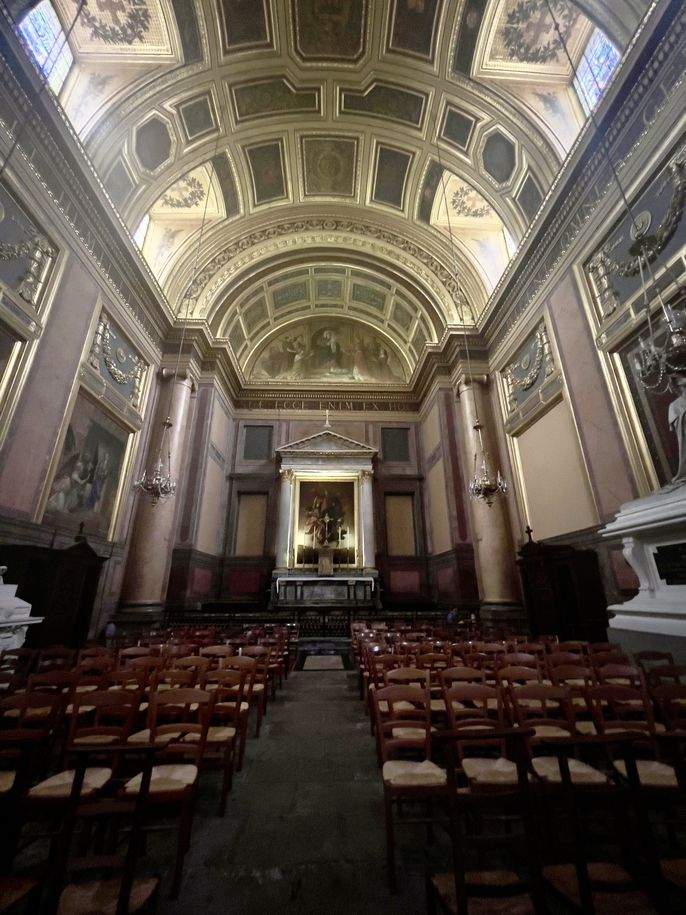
{"x": 89, "y": 471}
{"x": 326, "y": 518}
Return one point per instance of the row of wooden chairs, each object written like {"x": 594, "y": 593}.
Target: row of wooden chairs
{"x": 484, "y": 766}
{"x": 191, "y": 710}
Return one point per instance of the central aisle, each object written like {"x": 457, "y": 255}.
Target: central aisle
{"x": 303, "y": 830}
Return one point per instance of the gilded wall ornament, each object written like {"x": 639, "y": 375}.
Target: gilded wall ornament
{"x": 104, "y": 352}
{"x": 525, "y": 372}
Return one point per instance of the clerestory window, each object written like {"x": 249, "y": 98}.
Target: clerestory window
{"x": 43, "y": 35}
{"x": 598, "y": 63}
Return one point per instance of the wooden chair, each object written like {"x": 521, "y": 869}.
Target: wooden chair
{"x": 484, "y": 818}
{"x": 403, "y": 734}
{"x": 585, "y": 883}
{"x": 113, "y": 888}
{"x": 181, "y": 743}
{"x": 261, "y": 683}
{"x": 228, "y": 723}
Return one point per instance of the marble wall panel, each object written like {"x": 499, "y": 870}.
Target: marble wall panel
{"x": 35, "y": 428}
{"x": 608, "y": 466}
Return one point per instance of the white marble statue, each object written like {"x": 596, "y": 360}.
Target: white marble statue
{"x": 676, "y": 417}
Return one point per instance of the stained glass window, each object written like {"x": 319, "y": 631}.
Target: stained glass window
{"x": 47, "y": 43}
{"x": 595, "y": 69}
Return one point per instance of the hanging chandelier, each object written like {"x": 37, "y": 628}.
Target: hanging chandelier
{"x": 483, "y": 485}
{"x": 158, "y": 484}
{"x": 661, "y": 359}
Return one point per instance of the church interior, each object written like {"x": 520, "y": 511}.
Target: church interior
{"x": 340, "y": 322}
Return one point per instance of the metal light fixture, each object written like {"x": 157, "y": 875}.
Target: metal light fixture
{"x": 159, "y": 485}
{"x": 661, "y": 359}
{"x": 483, "y": 486}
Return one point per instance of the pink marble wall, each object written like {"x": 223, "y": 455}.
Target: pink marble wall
{"x": 25, "y": 456}
{"x": 608, "y": 467}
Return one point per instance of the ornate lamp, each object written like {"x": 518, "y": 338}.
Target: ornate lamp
{"x": 484, "y": 485}
{"x": 158, "y": 484}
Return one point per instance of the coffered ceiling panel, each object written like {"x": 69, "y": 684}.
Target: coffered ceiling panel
{"x": 287, "y": 163}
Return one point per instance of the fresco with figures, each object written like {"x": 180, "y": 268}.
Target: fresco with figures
{"x": 86, "y": 483}
{"x": 336, "y": 351}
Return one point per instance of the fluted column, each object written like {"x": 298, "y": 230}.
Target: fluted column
{"x": 149, "y": 559}
{"x": 495, "y": 558}
{"x": 284, "y": 530}
{"x": 367, "y": 538}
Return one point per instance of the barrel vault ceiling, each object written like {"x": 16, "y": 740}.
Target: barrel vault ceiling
{"x": 327, "y": 185}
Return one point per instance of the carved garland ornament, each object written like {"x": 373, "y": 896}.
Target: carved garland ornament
{"x": 102, "y": 344}
{"x": 543, "y": 355}
{"x": 645, "y": 246}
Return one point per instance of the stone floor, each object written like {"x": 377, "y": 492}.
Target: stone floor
{"x": 303, "y": 830}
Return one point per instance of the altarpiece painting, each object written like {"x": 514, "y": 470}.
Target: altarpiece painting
{"x": 326, "y": 520}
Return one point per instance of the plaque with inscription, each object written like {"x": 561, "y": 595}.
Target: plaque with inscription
{"x": 671, "y": 563}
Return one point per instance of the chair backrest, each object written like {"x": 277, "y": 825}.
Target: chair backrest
{"x": 575, "y": 677}
{"x": 618, "y": 707}
{"x": 665, "y": 674}
{"x": 468, "y": 702}
{"x": 621, "y": 675}
{"x": 649, "y": 659}
{"x": 670, "y": 700}
{"x": 407, "y": 676}
{"x": 53, "y": 681}
{"x": 107, "y": 813}
{"x": 461, "y": 674}
{"x": 242, "y": 663}
{"x": 518, "y": 674}
{"x": 102, "y": 717}
{"x": 175, "y": 714}
{"x": 33, "y": 709}
{"x": 538, "y": 703}
{"x": 402, "y": 716}
{"x": 556, "y": 658}
{"x": 518, "y": 659}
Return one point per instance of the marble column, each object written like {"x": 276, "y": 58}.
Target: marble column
{"x": 284, "y": 529}
{"x": 367, "y": 538}
{"x": 149, "y": 559}
{"x": 493, "y": 547}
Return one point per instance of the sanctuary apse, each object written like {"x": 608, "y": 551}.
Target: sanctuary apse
{"x": 234, "y": 219}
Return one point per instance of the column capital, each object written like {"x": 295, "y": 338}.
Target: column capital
{"x": 287, "y": 475}
{"x": 467, "y": 380}
{"x": 367, "y": 475}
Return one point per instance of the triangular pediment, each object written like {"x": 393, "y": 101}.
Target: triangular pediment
{"x": 329, "y": 443}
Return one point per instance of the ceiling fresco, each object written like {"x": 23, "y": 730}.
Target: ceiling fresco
{"x": 394, "y": 152}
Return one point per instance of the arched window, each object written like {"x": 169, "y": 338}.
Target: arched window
{"x": 47, "y": 44}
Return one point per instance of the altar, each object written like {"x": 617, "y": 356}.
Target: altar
{"x": 329, "y": 591}
{"x": 325, "y": 538}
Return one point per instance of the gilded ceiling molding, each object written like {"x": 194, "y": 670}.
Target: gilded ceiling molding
{"x": 588, "y": 187}
{"x": 330, "y": 232}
